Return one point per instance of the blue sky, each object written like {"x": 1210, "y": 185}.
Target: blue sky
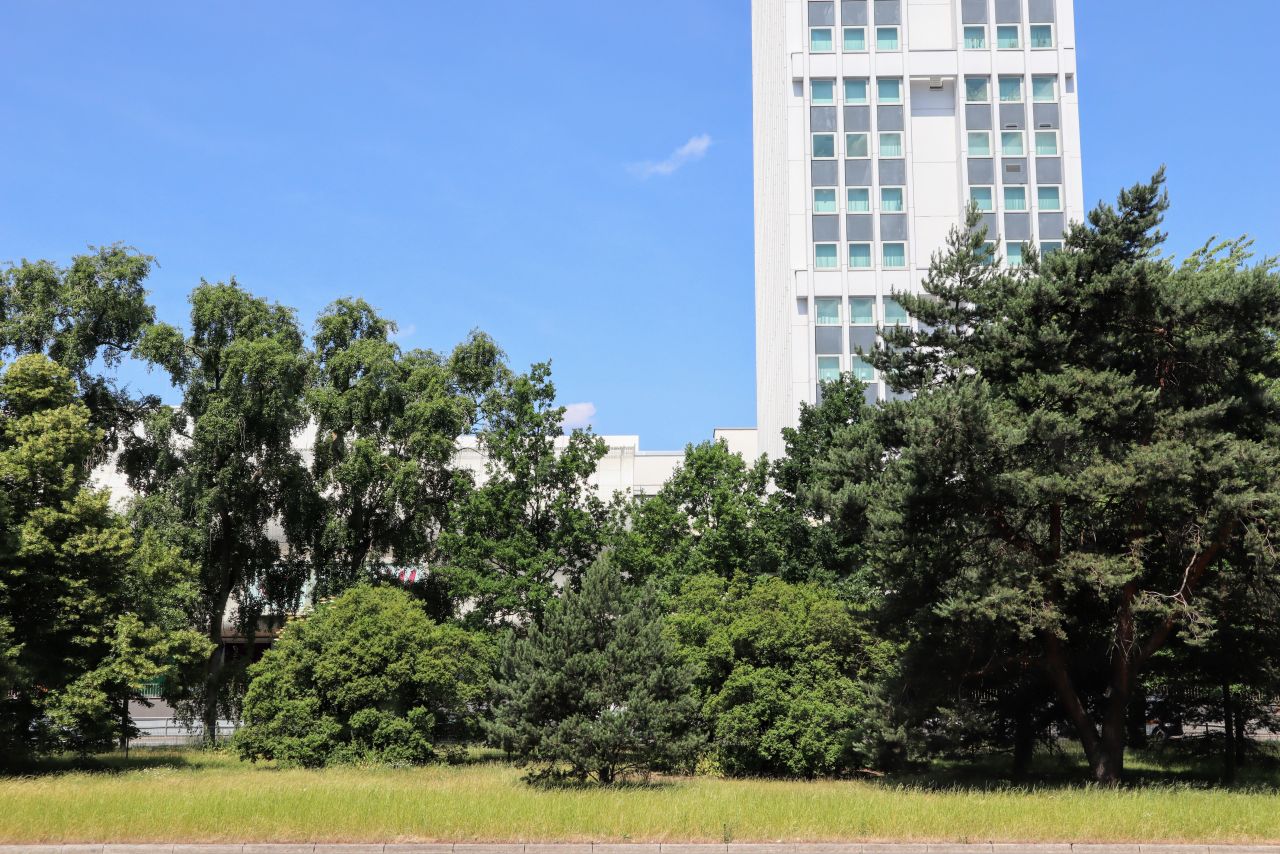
{"x": 574, "y": 177}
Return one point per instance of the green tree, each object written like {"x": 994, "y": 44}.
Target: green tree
{"x": 217, "y": 470}
{"x": 366, "y": 677}
{"x": 597, "y": 689}
{"x": 387, "y": 425}
{"x": 535, "y": 522}
{"x": 788, "y": 674}
{"x": 1092, "y": 447}
{"x": 87, "y": 615}
{"x": 86, "y": 317}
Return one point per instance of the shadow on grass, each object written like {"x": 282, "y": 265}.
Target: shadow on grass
{"x": 110, "y": 763}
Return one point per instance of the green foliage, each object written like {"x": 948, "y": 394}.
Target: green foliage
{"x": 215, "y": 471}
{"x": 535, "y": 518}
{"x": 367, "y": 677}
{"x": 1092, "y": 446}
{"x": 387, "y": 424}
{"x": 787, "y": 672}
{"x": 86, "y": 615}
{"x": 597, "y": 688}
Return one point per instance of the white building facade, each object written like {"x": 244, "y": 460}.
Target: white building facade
{"x": 877, "y": 122}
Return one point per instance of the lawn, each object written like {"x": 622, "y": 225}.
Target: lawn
{"x": 194, "y": 796}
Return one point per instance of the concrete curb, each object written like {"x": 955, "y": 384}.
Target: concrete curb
{"x": 641, "y": 848}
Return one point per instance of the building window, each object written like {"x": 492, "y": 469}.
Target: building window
{"x": 975, "y": 38}
{"x": 1015, "y": 198}
{"x": 983, "y": 198}
{"x": 824, "y": 146}
{"x": 979, "y": 143}
{"x": 820, "y": 40}
{"x": 887, "y": 39}
{"x": 1049, "y": 246}
{"x": 857, "y": 145}
{"x": 823, "y": 92}
{"x": 988, "y": 257}
{"x": 826, "y": 257}
{"x": 1041, "y": 36}
{"x": 891, "y": 144}
{"x": 1044, "y": 89}
{"x": 1049, "y": 198}
{"x": 860, "y": 256}
{"x": 895, "y": 258}
{"x": 862, "y": 370}
{"x": 891, "y": 200}
{"x": 855, "y": 39}
{"x": 862, "y": 311}
{"x": 1011, "y": 90}
{"x": 894, "y": 313}
{"x": 824, "y": 201}
{"x": 889, "y": 90}
{"x": 855, "y": 91}
{"x": 1012, "y": 144}
{"x": 828, "y": 369}
{"x": 1013, "y": 254}
{"x": 1007, "y": 38}
{"x": 977, "y": 90}
{"x": 1047, "y": 143}
{"x": 859, "y": 200}
{"x": 828, "y": 312}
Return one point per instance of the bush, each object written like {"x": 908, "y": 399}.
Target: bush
{"x": 788, "y": 676}
{"x": 367, "y": 677}
{"x": 597, "y": 688}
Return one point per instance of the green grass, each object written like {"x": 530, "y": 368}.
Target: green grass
{"x": 211, "y": 797}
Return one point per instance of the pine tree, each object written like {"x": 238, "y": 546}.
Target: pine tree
{"x": 597, "y": 689}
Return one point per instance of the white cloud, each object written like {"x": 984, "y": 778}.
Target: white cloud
{"x": 694, "y": 149}
{"x": 578, "y": 415}
{"x": 404, "y": 332}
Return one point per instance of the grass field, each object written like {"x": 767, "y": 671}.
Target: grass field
{"x": 212, "y": 797}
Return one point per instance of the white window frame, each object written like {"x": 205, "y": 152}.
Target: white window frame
{"x": 866, "y": 89}
{"x": 999, "y": 27}
{"x": 1008, "y": 253}
{"x": 816, "y": 247}
{"x": 871, "y": 255}
{"x": 1021, "y": 135}
{"x": 897, "y": 39}
{"x": 1050, "y": 77}
{"x": 1057, "y": 143}
{"x": 990, "y": 188}
{"x": 847, "y": 136}
{"x": 848, "y": 199}
{"x": 884, "y": 312}
{"x": 854, "y": 360}
{"x": 902, "y": 190}
{"x": 986, "y": 92}
{"x": 906, "y": 259}
{"x": 1022, "y": 87}
{"x": 900, "y": 97}
{"x": 813, "y": 147}
{"x": 813, "y": 98}
{"x": 844, "y": 40}
{"x": 1053, "y": 36}
{"x": 969, "y": 143}
{"x": 835, "y": 199}
{"x": 831, "y": 30}
{"x": 1061, "y": 203}
{"x": 817, "y": 315}
{"x": 964, "y": 36}
{"x": 902, "y": 145}
{"x": 872, "y": 321}
{"x": 818, "y": 367}
{"x": 1004, "y": 198}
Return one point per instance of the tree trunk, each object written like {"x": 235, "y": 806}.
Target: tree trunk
{"x": 1241, "y": 744}
{"x": 1138, "y": 718}
{"x": 1024, "y": 740}
{"x": 1228, "y": 735}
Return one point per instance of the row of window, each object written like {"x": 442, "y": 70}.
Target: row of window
{"x": 890, "y": 146}
{"x": 858, "y": 200}
{"x": 857, "y": 146}
{"x": 822, "y": 93}
{"x": 829, "y": 369}
{"x": 1044, "y": 89}
{"x": 862, "y": 312}
{"x": 889, "y": 39}
{"x": 1015, "y": 198}
{"x": 893, "y": 256}
{"x": 1013, "y": 143}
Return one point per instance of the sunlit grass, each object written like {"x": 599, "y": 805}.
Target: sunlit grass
{"x": 211, "y": 797}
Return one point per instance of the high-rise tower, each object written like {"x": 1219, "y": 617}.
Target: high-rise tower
{"x": 876, "y": 123}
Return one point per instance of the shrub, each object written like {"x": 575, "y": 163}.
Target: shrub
{"x": 367, "y": 677}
